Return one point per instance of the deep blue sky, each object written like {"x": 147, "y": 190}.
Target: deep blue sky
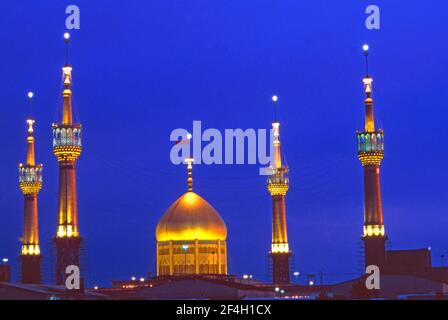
{"x": 143, "y": 68}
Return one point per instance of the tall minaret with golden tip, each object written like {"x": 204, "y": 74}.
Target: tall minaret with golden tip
{"x": 278, "y": 185}
{"x": 371, "y": 153}
{"x": 67, "y": 148}
{"x": 30, "y": 181}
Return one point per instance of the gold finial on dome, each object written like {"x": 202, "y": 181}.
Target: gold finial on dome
{"x": 189, "y": 162}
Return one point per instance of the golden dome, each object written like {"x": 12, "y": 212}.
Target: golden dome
{"x": 191, "y": 218}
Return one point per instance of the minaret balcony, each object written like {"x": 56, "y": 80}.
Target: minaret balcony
{"x": 370, "y": 141}
{"x": 371, "y": 147}
{"x": 67, "y": 141}
{"x": 278, "y": 183}
{"x": 30, "y": 178}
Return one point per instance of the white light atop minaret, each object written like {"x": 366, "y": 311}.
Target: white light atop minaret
{"x": 66, "y": 36}
{"x": 365, "y": 47}
{"x": 30, "y": 95}
{"x": 274, "y": 98}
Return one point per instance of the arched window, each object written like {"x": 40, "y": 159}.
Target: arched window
{"x": 374, "y": 142}
{"x": 380, "y": 142}
{"x": 63, "y": 137}
{"x": 75, "y": 136}
{"x": 368, "y": 144}
{"x": 80, "y": 138}
{"x": 69, "y": 136}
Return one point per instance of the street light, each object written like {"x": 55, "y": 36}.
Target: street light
{"x": 296, "y": 276}
{"x": 5, "y": 260}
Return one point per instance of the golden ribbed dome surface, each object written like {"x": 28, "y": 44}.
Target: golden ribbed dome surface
{"x": 191, "y": 218}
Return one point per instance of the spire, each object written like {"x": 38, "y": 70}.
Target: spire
{"x": 276, "y": 132}
{"x": 189, "y": 162}
{"x": 67, "y": 113}
{"x": 30, "y": 157}
{"x": 367, "y": 80}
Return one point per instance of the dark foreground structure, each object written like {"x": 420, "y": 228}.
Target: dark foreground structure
{"x": 392, "y": 287}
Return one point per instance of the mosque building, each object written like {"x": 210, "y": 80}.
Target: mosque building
{"x": 191, "y": 237}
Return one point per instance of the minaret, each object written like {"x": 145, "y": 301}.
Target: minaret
{"x": 67, "y": 148}
{"x": 371, "y": 153}
{"x": 278, "y": 185}
{"x": 30, "y": 181}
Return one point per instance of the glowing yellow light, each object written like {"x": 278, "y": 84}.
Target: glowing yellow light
{"x": 67, "y": 231}
{"x": 61, "y": 232}
{"x": 30, "y": 249}
{"x": 67, "y": 70}
{"x": 190, "y": 217}
{"x": 370, "y": 158}
{"x": 67, "y": 153}
{"x": 30, "y": 187}
{"x": 367, "y": 84}
{"x": 374, "y": 231}
{"x": 190, "y": 198}
{"x": 280, "y": 248}
{"x": 278, "y": 189}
